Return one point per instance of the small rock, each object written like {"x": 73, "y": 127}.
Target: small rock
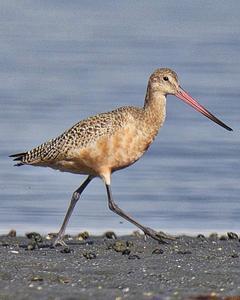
{"x": 110, "y": 235}
{"x": 63, "y": 279}
{"x": 232, "y": 236}
{"x": 36, "y": 278}
{"x": 83, "y": 236}
{"x": 201, "y": 236}
{"x": 157, "y": 251}
{"x": 213, "y": 236}
{"x": 148, "y": 294}
{"x": 133, "y": 256}
{"x": 89, "y": 255}
{"x": 14, "y": 252}
{"x": 126, "y": 252}
{"x": 234, "y": 255}
{"x": 119, "y": 246}
{"x": 12, "y": 233}
{"x": 34, "y": 236}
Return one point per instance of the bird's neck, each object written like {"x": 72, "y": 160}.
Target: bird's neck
{"x": 154, "y": 109}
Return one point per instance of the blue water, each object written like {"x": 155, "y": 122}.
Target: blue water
{"x": 61, "y": 61}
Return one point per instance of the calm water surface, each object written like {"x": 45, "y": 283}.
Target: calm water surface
{"x": 61, "y": 61}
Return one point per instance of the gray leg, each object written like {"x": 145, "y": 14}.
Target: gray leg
{"x": 75, "y": 197}
{"x": 148, "y": 231}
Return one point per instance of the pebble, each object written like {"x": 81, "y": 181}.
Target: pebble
{"x": 232, "y": 236}
{"x": 36, "y": 278}
{"x": 14, "y": 251}
{"x": 64, "y": 279}
{"x": 119, "y": 246}
{"x": 157, "y": 251}
{"x": 83, "y": 236}
{"x": 34, "y": 236}
{"x": 213, "y": 236}
{"x": 12, "y": 233}
{"x": 201, "y": 236}
{"x": 148, "y": 294}
{"x": 89, "y": 255}
{"x": 110, "y": 235}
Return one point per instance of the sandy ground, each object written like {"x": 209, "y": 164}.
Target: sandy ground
{"x": 128, "y": 267}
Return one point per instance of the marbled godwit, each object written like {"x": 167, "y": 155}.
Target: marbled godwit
{"x": 112, "y": 141}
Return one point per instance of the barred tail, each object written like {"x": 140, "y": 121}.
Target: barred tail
{"x": 40, "y": 155}
{"x": 19, "y": 156}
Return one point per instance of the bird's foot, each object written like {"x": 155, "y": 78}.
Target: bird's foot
{"x": 158, "y": 236}
{"x": 59, "y": 241}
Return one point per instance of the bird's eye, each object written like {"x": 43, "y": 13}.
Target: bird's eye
{"x": 165, "y": 78}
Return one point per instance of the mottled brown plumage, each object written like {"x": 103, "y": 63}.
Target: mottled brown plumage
{"x": 107, "y": 142}
{"x": 91, "y": 141}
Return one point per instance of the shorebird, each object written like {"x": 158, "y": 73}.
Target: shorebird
{"x": 107, "y": 142}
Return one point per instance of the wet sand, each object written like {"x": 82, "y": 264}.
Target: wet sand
{"x": 128, "y": 267}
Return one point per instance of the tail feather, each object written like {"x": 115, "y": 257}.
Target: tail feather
{"x": 18, "y": 154}
{"x": 39, "y": 155}
{"x": 18, "y": 157}
{"x": 18, "y": 165}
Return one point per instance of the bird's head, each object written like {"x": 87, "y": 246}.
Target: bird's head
{"x": 165, "y": 81}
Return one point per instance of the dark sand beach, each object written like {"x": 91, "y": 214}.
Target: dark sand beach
{"x": 127, "y": 267}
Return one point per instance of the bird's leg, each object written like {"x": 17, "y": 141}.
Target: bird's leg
{"x": 148, "y": 231}
{"x": 75, "y": 197}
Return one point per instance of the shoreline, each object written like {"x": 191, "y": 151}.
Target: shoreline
{"x": 73, "y": 231}
{"x": 120, "y": 267}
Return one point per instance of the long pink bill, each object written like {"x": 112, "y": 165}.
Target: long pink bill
{"x": 183, "y": 95}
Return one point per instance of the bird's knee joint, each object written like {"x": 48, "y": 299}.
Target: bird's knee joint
{"x": 75, "y": 196}
{"x": 113, "y": 206}
{"x": 110, "y": 206}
